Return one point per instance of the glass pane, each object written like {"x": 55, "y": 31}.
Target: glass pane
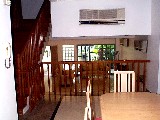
{"x": 68, "y": 52}
{"x": 96, "y": 52}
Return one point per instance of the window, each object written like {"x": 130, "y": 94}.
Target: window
{"x": 68, "y": 52}
{"x": 96, "y": 52}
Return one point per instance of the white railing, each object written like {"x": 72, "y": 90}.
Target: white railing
{"x": 124, "y": 81}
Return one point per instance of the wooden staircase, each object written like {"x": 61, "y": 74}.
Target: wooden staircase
{"x": 22, "y": 33}
{"x": 28, "y": 40}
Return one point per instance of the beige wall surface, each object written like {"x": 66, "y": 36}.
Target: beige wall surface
{"x": 129, "y": 53}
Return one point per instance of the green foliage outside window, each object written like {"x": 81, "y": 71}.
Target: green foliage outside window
{"x": 96, "y": 52}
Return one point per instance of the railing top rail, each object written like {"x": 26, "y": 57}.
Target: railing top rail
{"x": 118, "y": 72}
{"x": 108, "y": 61}
{"x": 131, "y": 61}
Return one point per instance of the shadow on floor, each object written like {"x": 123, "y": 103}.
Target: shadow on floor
{"x": 45, "y": 110}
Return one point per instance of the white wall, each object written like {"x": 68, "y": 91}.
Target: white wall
{"x": 65, "y": 18}
{"x": 153, "y": 84}
{"x": 8, "y": 105}
{"x": 30, "y": 8}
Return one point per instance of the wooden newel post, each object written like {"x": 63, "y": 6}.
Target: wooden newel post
{"x": 42, "y": 79}
{"x": 20, "y": 99}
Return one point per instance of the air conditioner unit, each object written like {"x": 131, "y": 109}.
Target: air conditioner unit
{"x": 107, "y": 16}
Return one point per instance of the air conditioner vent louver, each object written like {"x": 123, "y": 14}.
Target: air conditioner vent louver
{"x": 90, "y": 16}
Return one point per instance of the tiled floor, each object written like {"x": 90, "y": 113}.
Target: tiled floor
{"x": 73, "y": 108}
{"x": 47, "y": 109}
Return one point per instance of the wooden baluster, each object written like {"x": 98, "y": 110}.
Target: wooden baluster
{"x": 55, "y": 77}
{"x": 70, "y": 78}
{"x": 35, "y": 85}
{"x": 81, "y": 75}
{"x": 104, "y": 75}
{"x": 41, "y": 80}
{"x": 65, "y": 78}
{"x": 104, "y": 83}
{"x": 138, "y": 75}
{"x": 34, "y": 88}
{"x": 48, "y": 78}
{"x": 38, "y": 82}
{"x": 42, "y": 73}
{"x": 31, "y": 87}
{"x": 98, "y": 77}
{"x": 87, "y": 76}
{"x": 144, "y": 77}
{"x": 60, "y": 78}
{"x": 107, "y": 74}
{"x": 76, "y": 78}
{"x": 92, "y": 76}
